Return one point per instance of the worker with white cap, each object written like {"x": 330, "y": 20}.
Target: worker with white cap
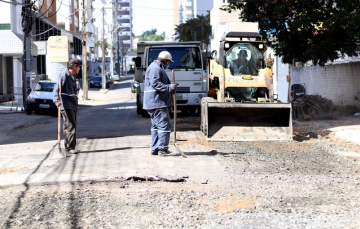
{"x": 157, "y": 100}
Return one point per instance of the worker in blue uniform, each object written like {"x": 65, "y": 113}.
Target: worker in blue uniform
{"x": 157, "y": 100}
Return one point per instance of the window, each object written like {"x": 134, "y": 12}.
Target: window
{"x": 44, "y": 86}
{"x": 183, "y": 57}
{"x": 243, "y": 59}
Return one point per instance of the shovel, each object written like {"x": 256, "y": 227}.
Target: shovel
{"x": 58, "y": 152}
{"x": 175, "y": 116}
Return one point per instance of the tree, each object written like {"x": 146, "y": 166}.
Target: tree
{"x": 303, "y": 30}
{"x": 197, "y": 29}
{"x": 151, "y": 35}
{"x": 98, "y": 44}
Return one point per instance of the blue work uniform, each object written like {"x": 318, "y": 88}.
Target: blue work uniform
{"x": 158, "y": 93}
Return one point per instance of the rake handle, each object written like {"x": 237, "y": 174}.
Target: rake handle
{"x": 175, "y": 107}
{"x": 59, "y": 112}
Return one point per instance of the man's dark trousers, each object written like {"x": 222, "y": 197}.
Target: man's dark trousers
{"x": 69, "y": 130}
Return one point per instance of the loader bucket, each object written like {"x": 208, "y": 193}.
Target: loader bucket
{"x": 226, "y": 121}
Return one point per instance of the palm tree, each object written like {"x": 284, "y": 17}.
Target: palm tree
{"x": 197, "y": 29}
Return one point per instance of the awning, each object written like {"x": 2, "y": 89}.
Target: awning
{"x": 10, "y": 43}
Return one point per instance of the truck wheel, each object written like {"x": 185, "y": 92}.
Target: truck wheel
{"x": 28, "y": 112}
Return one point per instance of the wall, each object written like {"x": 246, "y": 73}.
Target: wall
{"x": 339, "y": 82}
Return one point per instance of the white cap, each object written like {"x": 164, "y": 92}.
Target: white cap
{"x": 165, "y": 55}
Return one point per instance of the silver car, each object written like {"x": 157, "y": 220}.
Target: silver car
{"x": 116, "y": 76}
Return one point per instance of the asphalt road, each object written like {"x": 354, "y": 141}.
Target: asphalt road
{"x": 109, "y": 113}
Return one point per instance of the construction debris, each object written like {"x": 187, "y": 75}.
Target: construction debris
{"x": 312, "y": 107}
{"x": 155, "y": 178}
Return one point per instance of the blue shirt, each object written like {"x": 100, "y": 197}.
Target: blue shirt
{"x": 158, "y": 88}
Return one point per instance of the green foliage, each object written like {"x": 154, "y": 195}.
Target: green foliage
{"x": 197, "y": 29}
{"x": 303, "y": 30}
{"x": 151, "y": 35}
{"x": 98, "y": 44}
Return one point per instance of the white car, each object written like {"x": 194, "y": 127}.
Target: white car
{"x": 116, "y": 76}
{"x": 40, "y": 98}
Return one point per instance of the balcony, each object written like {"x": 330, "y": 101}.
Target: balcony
{"x": 123, "y": 4}
{"x": 124, "y": 19}
{"x": 124, "y": 27}
{"x": 126, "y": 42}
{"x": 187, "y": 3}
{"x": 123, "y": 11}
{"x": 187, "y": 12}
{"x": 124, "y": 37}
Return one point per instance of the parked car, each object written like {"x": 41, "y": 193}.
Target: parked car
{"x": 40, "y": 98}
{"x": 96, "y": 81}
{"x": 116, "y": 76}
{"x": 296, "y": 91}
{"x": 134, "y": 85}
{"x": 111, "y": 79}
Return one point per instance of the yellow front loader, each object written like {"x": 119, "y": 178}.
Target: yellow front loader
{"x": 241, "y": 105}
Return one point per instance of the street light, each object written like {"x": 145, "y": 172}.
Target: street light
{"x": 111, "y": 54}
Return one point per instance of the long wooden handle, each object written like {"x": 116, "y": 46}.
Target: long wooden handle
{"x": 59, "y": 112}
{"x": 175, "y": 107}
{"x": 59, "y": 124}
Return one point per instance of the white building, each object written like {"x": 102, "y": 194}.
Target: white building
{"x": 46, "y": 19}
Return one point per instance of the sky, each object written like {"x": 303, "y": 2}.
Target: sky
{"x": 152, "y": 14}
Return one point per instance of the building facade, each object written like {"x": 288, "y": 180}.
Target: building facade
{"x": 123, "y": 34}
{"x": 42, "y": 20}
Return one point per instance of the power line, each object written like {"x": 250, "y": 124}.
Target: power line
{"x": 13, "y": 2}
{"x": 162, "y": 8}
{"x": 52, "y": 2}
{"x": 55, "y": 26}
{"x": 53, "y": 13}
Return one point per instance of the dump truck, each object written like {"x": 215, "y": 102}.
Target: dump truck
{"x": 188, "y": 64}
{"x": 240, "y": 104}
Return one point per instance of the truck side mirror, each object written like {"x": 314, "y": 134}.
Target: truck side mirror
{"x": 137, "y": 61}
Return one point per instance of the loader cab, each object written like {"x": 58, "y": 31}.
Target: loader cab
{"x": 243, "y": 54}
{"x": 244, "y": 59}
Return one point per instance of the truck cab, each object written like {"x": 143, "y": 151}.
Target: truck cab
{"x": 188, "y": 67}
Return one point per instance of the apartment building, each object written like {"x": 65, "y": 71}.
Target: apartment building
{"x": 124, "y": 38}
{"x": 46, "y": 19}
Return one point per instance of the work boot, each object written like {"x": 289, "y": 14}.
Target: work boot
{"x": 74, "y": 151}
{"x": 167, "y": 153}
{"x": 154, "y": 153}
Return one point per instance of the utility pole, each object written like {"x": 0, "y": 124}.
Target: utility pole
{"x": 117, "y": 65}
{"x": 111, "y": 52}
{"x": 103, "y": 51}
{"x": 122, "y": 57}
{"x": 26, "y": 23}
{"x": 84, "y": 62}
